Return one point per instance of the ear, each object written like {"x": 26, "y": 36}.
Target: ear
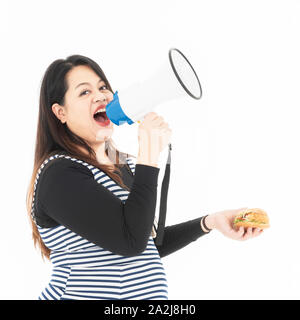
{"x": 59, "y": 111}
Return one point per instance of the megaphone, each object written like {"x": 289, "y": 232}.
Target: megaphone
{"x": 175, "y": 79}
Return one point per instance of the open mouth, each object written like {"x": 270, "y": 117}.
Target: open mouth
{"x": 101, "y": 118}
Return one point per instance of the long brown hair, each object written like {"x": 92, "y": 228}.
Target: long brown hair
{"x": 54, "y": 137}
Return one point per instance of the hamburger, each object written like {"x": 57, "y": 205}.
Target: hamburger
{"x": 253, "y": 218}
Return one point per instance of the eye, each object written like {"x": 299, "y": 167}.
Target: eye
{"x": 101, "y": 88}
{"x": 81, "y": 94}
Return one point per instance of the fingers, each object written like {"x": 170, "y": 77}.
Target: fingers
{"x": 151, "y": 115}
{"x": 236, "y": 234}
{"x": 257, "y": 232}
{"x": 249, "y": 233}
{"x": 241, "y": 233}
{"x": 156, "y": 120}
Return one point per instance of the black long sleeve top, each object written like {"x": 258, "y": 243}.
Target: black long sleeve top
{"x": 67, "y": 194}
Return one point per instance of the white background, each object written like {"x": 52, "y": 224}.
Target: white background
{"x": 236, "y": 147}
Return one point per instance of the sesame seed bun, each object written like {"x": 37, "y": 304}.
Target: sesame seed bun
{"x": 252, "y": 218}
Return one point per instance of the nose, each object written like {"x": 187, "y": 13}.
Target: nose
{"x": 100, "y": 97}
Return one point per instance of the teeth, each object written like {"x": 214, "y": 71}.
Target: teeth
{"x": 100, "y": 110}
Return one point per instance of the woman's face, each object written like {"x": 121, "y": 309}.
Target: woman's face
{"x": 81, "y": 101}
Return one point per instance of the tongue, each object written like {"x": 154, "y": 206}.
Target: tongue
{"x": 100, "y": 118}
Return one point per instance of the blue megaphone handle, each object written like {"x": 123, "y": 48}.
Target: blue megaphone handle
{"x": 115, "y": 112}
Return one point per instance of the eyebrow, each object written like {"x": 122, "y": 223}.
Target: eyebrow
{"x": 83, "y": 83}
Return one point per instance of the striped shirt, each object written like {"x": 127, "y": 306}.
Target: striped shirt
{"x": 84, "y": 270}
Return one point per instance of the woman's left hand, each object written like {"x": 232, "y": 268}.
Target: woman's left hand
{"x": 223, "y": 221}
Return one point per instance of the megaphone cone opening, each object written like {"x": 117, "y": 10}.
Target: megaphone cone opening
{"x": 176, "y": 67}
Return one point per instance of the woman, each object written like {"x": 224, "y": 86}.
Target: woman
{"x": 91, "y": 207}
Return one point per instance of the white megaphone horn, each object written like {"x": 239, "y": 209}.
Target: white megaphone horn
{"x": 173, "y": 80}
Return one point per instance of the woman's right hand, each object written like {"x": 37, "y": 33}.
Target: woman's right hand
{"x": 154, "y": 135}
